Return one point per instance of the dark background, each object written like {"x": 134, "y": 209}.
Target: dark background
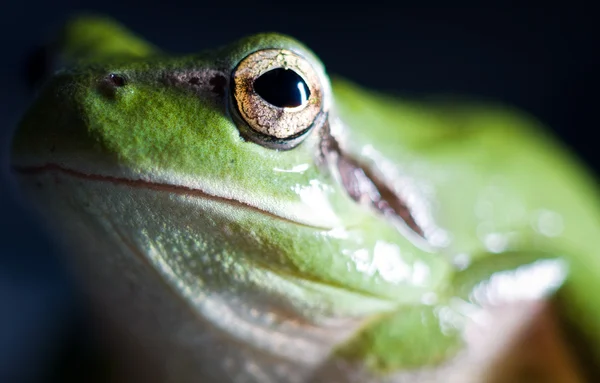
{"x": 539, "y": 59}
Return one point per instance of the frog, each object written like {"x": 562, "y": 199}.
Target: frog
{"x": 238, "y": 215}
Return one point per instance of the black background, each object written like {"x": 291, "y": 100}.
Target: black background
{"x": 541, "y": 59}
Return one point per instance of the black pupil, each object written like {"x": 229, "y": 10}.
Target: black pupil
{"x": 282, "y": 87}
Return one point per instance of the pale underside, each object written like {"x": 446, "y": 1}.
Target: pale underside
{"x": 187, "y": 328}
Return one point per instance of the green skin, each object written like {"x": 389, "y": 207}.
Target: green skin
{"x": 152, "y": 184}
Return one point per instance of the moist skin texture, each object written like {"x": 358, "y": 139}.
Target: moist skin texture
{"x": 390, "y": 241}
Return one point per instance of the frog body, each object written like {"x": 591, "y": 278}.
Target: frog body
{"x": 234, "y": 227}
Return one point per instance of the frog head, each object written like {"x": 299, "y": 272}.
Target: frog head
{"x": 238, "y": 184}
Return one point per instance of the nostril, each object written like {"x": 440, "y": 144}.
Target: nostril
{"x": 117, "y": 80}
{"x": 109, "y": 84}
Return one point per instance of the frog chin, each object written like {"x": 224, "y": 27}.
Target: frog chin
{"x": 175, "y": 189}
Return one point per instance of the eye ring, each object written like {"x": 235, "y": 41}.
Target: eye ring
{"x": 275, "y": 118}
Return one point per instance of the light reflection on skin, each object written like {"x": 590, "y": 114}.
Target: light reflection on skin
{"x": 296, "y": 169}
{"x": 496, "y": 242}
{"x": 498, "y": 209}
{"x": 548, "y": 223}
{"x": 461, "y": 261}
{"x": 451, "y": 318}
{"x": 339, "y": 233}
{"x": 315, "y": 196}
{"x": 388, "y": 263}
{"x": 545, "y": 222}
{"x": 528, "y": 282}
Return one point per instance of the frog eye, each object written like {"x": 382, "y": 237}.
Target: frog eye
{"x": 278, "y": 95}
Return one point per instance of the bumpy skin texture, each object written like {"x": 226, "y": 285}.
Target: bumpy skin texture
{"x": 233, "y": 261}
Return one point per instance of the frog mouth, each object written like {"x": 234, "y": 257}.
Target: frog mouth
{"x": 362, "y": 184}
{"x": 158, "y": 186}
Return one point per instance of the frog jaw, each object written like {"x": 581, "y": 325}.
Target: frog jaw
{"x": 157, "y": 186}
{"x": 314, "y": 211}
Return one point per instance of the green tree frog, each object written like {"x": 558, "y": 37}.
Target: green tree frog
{"x": 237, "y": 217}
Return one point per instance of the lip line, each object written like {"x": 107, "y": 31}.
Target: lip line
{"x": 142, "y": 184}
{"x": 185, "y": 190}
